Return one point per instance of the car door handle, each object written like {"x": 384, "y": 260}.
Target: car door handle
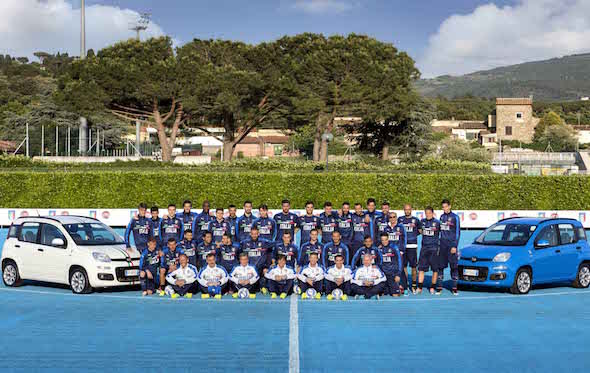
{"x": 578, "y": 247}
{"x": 557, "y": 251}
{"x": 40, "y": 249}
{"x": 17, "y": 246}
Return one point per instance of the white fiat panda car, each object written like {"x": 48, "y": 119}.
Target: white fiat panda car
{"x": 77, "y": 251}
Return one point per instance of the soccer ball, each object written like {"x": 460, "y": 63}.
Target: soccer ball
{"x": 311, "y": 292}
{"x": 297, "y": 289}
{"x": 243, "y": 293}
{"x": 168, "y": 290}
{"x": 337, "y": 294}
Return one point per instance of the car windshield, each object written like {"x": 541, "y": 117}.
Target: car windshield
{"x": 93, "y": 234}
{"x": 505, "y": 234}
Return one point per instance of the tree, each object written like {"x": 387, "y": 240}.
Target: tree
{"x": 551, "y": 118}
{"x": 562, "y": 138}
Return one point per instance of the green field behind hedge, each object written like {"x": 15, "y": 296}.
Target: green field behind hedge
{"x": 125, "y": 189}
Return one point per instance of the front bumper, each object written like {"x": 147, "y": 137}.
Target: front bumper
{"x": 489, "y": 273}
{"x": 115, "y": 273}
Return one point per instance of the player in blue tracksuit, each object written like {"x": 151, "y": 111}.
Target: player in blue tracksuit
{"x": 287, "y": 248}
{"x": 149, "y": 267}
{"x": 328, "y": 222}
{"x": 345, "y": 225}
{"x": 412, "y": 227}
{"x": 450, "y": 233}
{"x": 171, "y": 226}
{"x": 232, "y": 220}
{"x": 381, "y": 221}
{"x": 286, "y": 221}
{"x": 227, "y": 254}
{"x": 332, "y": 249}
{"x": 201, "y": 222}
{"x": 187, "y": 216}
{"x": 245, "y": 223}
{"x": 259, "y": 252}
{"x": 189, "y": 247}
{"x": 205, "y": 248}
{"x": 267, "y": 227}
{"x": 367, "y": 249}
{"x": 155, "y": 224}
{"x": 396, "y": 233}
{"x": 141, "y": 229}
{"x": 391, "y": 265}
{"x": 312, "y": 246}
{"x": 362, "y": 226}
{"x": 218, "y": 227}
{"x": 429, "y": 252}
{"x": 169, "y": 261}
{"x": 372, "y": 209}
{"x": 307, "y": 222}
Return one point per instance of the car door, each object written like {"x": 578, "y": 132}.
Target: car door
{"x": 546, "y": 257}
{"x": 55, "y": 258}
{"x": 568, "y": 256}
{"x": 27, "y": 244}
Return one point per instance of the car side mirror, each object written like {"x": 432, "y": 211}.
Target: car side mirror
{"x": 58, "y": 242}
{"x": 541, "y": 244}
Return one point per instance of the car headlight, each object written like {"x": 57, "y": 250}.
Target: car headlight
{"x": 502, "y": 257}
{"x": 101, "y": 257}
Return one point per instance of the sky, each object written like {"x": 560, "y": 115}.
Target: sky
{"x": 443, "y": 36}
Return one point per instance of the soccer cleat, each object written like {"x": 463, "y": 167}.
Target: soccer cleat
{"x": 161, "y": 293}
{"x": 378, "y": 296}
{"x": 143, "y": 294}
{"x": 318, "y": 296}
{"x": 431, "y": 290}
{"x": 418, "y": 292}
{"x": 217, "y": 296}
{"x": 273, "y": 295}
{"x": 188, "y": 295}
{"x": 304, "y": 296}
{"x": 344, "y": 297}
{"x": 330, "y": 297}
{"x": 283, "y": 295}
{"x": 204, "y": 296}
{"x": 264, "y": 291}
{"x": 234, "y": 295}
{"x": 455, "y": 292}
{"x": 252, "y": 296}
{"x": 356, "y": 297}
{"x": 406, "y": 293}
{"x": 438, "y": 291}
{"x": 174, "y": 296}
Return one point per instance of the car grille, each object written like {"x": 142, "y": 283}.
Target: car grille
{"x": 482, "y": 276}
{"x": 120, "y": 272}
{"x": 471, "y": 259}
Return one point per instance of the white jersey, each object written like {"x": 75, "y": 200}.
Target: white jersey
{"x": 275, "y": 271}
{"x": 241, "y": 273}
{"x": 308, "y": 272}
{"x": 212, "y": 275}
{"x": 333, "y": 273}
{"x": 188, "y": 274}
{"x": 372, "y": 274}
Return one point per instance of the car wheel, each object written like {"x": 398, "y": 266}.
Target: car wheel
{"x": 10, "y": 275}
{"x": 583, "y": 277}
{"x": 522, "y": 282}
{"x": 79, "y": 282}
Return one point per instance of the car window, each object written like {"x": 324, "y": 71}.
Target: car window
{"x": 549, "y": 234}
{"x": 567, "y": 234}
{"x": 29, "y": 232}
{"x": 506, "y": 234}
{"x": 49, "y": 233}
{"x": 581, "y": 234}
{"x": 13, "y": 231}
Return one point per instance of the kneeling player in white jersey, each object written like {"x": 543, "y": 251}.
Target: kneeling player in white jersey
{"x": 244, "y": 276}
{"x": 338, "y": 276}
{"x": 280, "y": 278}
{"x": 182, "y": 280}
{"x": 368, "y": 280}
{"x": 312, "y": 276}
{"x": 212, "y": 279}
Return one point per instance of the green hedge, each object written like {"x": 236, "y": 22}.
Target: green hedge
{"x": 117, "y": 189}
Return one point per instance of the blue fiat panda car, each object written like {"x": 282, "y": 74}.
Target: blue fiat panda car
{"x": 518, "y": 253}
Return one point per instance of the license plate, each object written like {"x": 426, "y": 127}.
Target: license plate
{"x": 471, "y": 272}
{"x": 131, "y": 272}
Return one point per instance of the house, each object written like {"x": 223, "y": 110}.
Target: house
{"x": 513, "y": 119}
{"x": 469, "y": 130}
{"x": 7, "y": 146}
{"x": 583, "y": 133}
{"x": 263, "y": 146}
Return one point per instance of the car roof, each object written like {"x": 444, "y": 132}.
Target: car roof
{"x": 536, "y": 221}
{"x": 63, "y": 219}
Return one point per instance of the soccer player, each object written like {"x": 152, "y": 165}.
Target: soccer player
{"x": 244, "y": 275}
{"x": 381, "y": 221}
{"x": 149, "y": 264}
{"x": 280, "y": 278}
{"x": 201, "y": 222}
{"x": 205, "y": 248}
{"x": 212, "y": 279}
{"x": 412, "y": 227}
{"x": 362, "y": 226}
{"x": 287, "y": 249}
{"x": 312, "y": 246}
{"x": 331, "y": 249}
{"x": 430, "y": 249}
{"x": 155, "y": 223}
{"x": 182, "y": 280}
{"x": 232, "y": 219}
{"x": 307, "y": 222}
{"x": 372, "y": 209}
{"x": 328, "y": 222}
{"x": 338, "y": 276}
{"x": 391, "y": 265}
{"x": 312, "y": 276}
{"x": 187, "y": 216}
{"x": 245, "y": 222}
{"x": 286, "y": 221}
{"x": 259, "y": 251}
{"x": 397, "y": 235}
{"x": 168, "y": 262}
{"x": 228, "y": 253}
{"x": 189, "y": 247}
{"x": 450, "y": 232}
{"x": 171, "y": 226}
{"x": 218, "y": 227}
{"x": 369, "y": 250}
{"x": 345, "y": 225}
{"x": 368, "y": 280}
{"x": 140, "y": 226}
{"x": 266, "y": 226}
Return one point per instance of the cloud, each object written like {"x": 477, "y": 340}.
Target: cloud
{"x": 323, "y": 6}
{"x": 28, "y": 26}
{"x": 493, "y": 36}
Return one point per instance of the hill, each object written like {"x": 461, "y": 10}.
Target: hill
{"x": 557, "y": 79}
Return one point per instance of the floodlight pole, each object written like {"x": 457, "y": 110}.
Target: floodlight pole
{"x": 82, "y": 30}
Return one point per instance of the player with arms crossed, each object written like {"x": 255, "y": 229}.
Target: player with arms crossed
{"x": 280, "y": 278}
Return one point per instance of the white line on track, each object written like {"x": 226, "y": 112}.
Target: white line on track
{"x": 293, "y": 336}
